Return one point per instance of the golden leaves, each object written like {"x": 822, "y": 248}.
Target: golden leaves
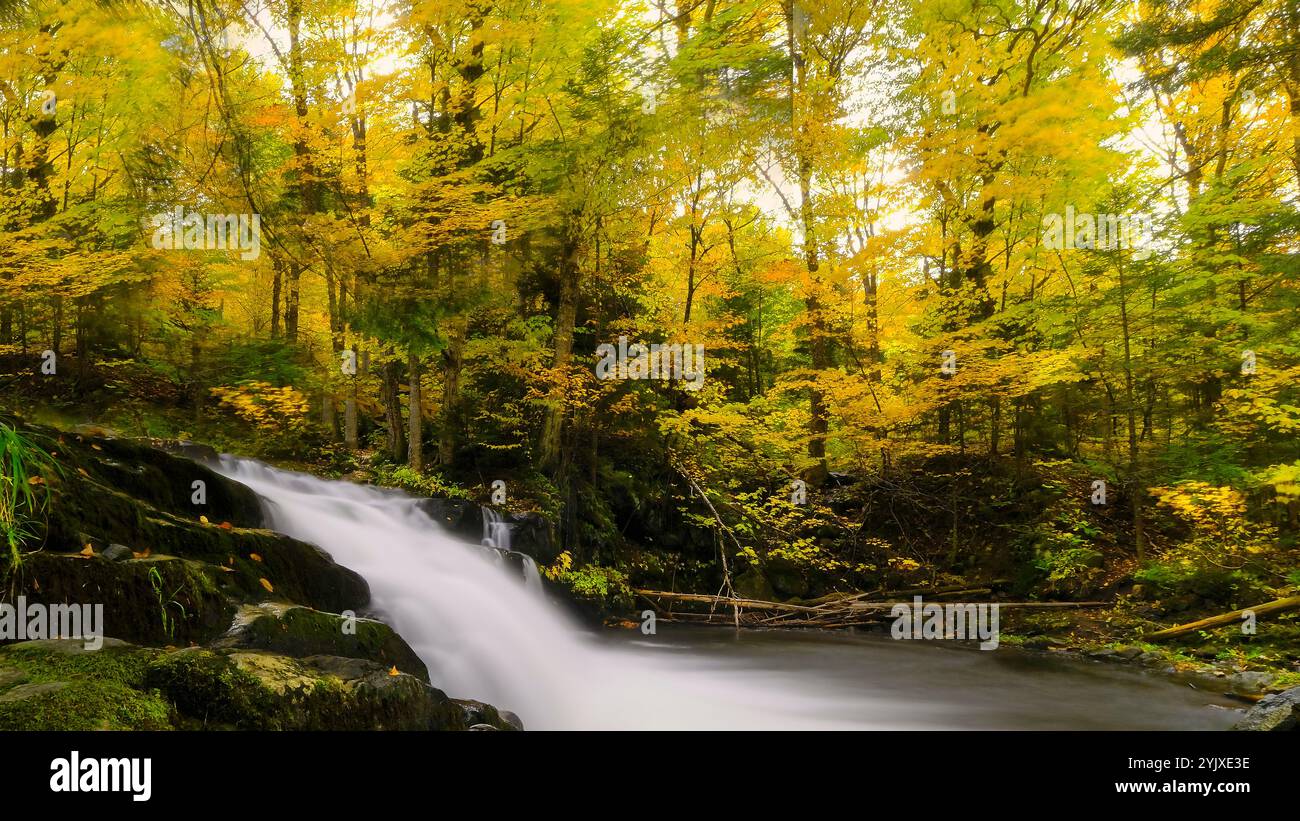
{"x": 267, "y": 585}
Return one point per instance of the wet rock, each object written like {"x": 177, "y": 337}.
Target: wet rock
{"x": 194, "y": 451}
{"x": 302, "y": 631}
{"x": 1250, "y": 681}
{"x": 267, "y": 691}
{"x": 478, "y": 714}
{"x": 116, "y": 553}
{"x": 1277, "y": 712}
{"x": 460, "y": 518}
{"x": 532, "y": 533}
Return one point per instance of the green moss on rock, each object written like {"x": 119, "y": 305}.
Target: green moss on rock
{"x": 302, "y": 631}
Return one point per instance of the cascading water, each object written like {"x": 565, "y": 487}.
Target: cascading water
{"x": 496, "y": 536}
{"x": 486, "y": 633}
{"x": 483, "y": 633}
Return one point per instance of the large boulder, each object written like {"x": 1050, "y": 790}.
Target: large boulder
{"x": 257, "y": 690}
{"x": 460, "y": 518}
{"x": 1280, "y": 711}
{"x": 302, "y": 631}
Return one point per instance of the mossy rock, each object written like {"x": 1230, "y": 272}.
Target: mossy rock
{"x": 478, "y": 714}
{"x": 136, "y": 594}
{"x": 141, "y": 470}
{"x": 257, "y": 690}
{"x": 60, "y": 684}
{"x": 1279, "y": 712}
{"x": 302, "y": 631}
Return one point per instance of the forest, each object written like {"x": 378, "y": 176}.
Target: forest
{"x": 758, "y": 308}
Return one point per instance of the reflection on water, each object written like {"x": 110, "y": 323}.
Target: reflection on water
{"x": 932, "y": 685}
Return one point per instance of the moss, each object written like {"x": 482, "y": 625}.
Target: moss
{"x": 135, "y": 594}
{"x": 265, "y": 691}
{"x": 67, "y": 687}
{"x": 301, "y": 631}
{"x": 61, "y": 659}
{"x": 208, "y": 689}
{"x": 86, "y": 705}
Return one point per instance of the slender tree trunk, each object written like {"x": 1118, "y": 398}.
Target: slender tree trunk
{"x": 393, "y": 412}
{"x": 566, "y": 316}
{"x": 416, "y": 435}
{"x": 1134, "y": 468}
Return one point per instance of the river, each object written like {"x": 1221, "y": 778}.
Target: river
{"x": 486, "y": 634}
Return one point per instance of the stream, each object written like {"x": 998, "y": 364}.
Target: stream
{"x": 491, "y": 634}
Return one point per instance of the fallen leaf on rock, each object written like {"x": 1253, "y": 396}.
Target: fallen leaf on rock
{"x": 226, "y": 526}
{"x": 143, "y": 554}
{"x": 88, "y": 551}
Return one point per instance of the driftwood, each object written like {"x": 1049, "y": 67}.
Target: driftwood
{"x": 843, "y": 611}
{"x": 1276, "y": 606}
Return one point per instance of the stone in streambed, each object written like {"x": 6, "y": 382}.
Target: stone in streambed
{"x": 257, "y": 690}
{"x": 480, "y": 715}
{"x": 1278, "y": 712}
{"x": 302, "y": 631}
{"x": 116, "y": 553}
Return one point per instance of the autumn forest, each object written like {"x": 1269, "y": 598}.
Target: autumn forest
{"x": 780, "y": 305}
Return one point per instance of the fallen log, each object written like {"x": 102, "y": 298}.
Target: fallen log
{"x": 844, "y": 612}
{"x": 705, "y": 598}
{"x": 1268, "y": 608}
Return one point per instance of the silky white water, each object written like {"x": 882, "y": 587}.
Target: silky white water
{"x": 489, "y": 635}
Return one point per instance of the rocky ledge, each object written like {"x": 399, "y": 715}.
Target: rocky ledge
{"x": 214, "y": 621}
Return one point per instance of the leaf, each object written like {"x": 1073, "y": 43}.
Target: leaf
{"x": 36, "y": 480}
{"x": 267, "y": 585}
{"x": 83, "y": 472}
{"x": 226, "y": 526}
{"x": 87, "y": 551}
{"x": 255, "y": 557}
{"x": 203, "y": 519}
{"x": 144, "y": 554}
{"x": 393, "y": 672}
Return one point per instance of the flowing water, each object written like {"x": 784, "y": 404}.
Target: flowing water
{"x": 490, "y": 634}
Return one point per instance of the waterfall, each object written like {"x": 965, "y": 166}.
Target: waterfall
{"x": 486, "y": 636}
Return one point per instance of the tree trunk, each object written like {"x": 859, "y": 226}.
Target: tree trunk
{"x": 416, "y": 436}
{"x": 393, "y": 412}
